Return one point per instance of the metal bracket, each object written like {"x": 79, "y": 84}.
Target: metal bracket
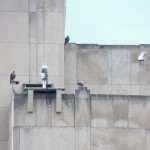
{"x": 30, "y": 101}
{"x": 58, "y": 100}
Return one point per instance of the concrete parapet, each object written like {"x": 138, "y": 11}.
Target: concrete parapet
{"x": 87, "y": 122}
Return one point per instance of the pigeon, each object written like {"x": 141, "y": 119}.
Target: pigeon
{"x": 79, "y": 83}
{"x": 67, "y": 40}
{"x": 12, "y": 76}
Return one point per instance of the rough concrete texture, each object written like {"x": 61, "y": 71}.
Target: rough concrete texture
{"x": 101, "y": 113}
{"x": 87, "y": 121}
{"x": 4, "y": 117}
{"x": 120, "y": 113}
{"x": 3, "y": 145}
{"x": 16, "y": 138}
{"x": 14, "y": 5}
{"x": 117, "y": 139}
{"x": 84, "y": 110}
{"x": 66, "y": 117}
{"x": 147, "y": 139}
{"x": 140, "y": 118}
{"x": 82, "y": 138}
{"x": 47, "y": 138}
{"x": 26, "y": 25}
{"x": 107, "y": 69}
{"x": 82, "y": 106}
{"x": 44, "y": 112}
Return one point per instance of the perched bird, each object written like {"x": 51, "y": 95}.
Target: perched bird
{"x": 79, "y": 83}
{"x": 12, "y": 76}
{"x": 67, "y": 40}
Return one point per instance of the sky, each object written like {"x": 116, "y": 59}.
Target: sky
{"x": 108, "y": 22}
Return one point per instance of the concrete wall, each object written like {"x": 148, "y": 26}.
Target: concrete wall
{"x": 107, "y": 69}
{"x": 32, "y": 33}
{"x": 87, "y": 122}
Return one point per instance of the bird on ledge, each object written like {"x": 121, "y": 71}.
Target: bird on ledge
{"x": 79, "y": 83}
{"x": 67, "y": 40}
{"x": 12, "y": 77}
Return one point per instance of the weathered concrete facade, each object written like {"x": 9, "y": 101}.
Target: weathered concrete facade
{"x": 87, "y": 122}
{"x": 107, "y": 69}
{"x": 32, "y": 33}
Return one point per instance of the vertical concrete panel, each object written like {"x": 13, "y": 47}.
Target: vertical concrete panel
{"x": 21, "y": 115}
{"x": 51, "y": 5}
{"x": 14, "y": 5}
{"x": 109, "y": 49}
{"x": 147, "y": 66}
{"x": 82, "y": 107}
{"x": 121, "y": 66}
{"x": 49, "y": 54}
{"x": 145, "y": 48}
{"x": 83, "y": 138}
{"x": 53, "y": 28}
{"x": 103, "y": 77}
{"x": 66, "y": 117}
{"x": 143, "y": 78}
{"x": 117, "y": 139}
{"x": 12, "y": 25}
{"x": 61, "y": 60}
{"x": 147, "y": 139}
{"x": 6, "y": 91}
{"x": 40, "y": 5}
{"x": 101, "y": 112}
{"x": 15, "y": 57}
{"x": 33, "y": 60}
{"x": 44, "y": 109}
{"x": 58, "y": 101}
{"x": 47, "y": 5}
{"x": 16, "y": 138}
{"x": 135, "y": 66}
{"x": 3, "y": 145}
{"x": 40, "y": 27}
{"x": 120, "y": 113}
{"x": 88, "y": 66}
{"x": 70, "y": 66}
{"x": 46, "y": 113}
{"x": 39, "y": 110}
{"x": 4, "y": 123}
{"x": 47, "y": 138}
{"x": 33, "y": 27}
{"x": 30, "y": 101}
{"x": 32, "y": 5}
{"x": 61, "y": 6}
{"x": 139, "y": 112}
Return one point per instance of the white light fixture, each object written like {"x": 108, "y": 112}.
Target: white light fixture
{"x": 142, "y": 57}
{"x": 44, "y": 75}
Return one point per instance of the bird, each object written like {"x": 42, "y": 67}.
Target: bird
{"x": 79, "y": 83}
{"x": 67, "y": 40}
{"x": 12, "y": 76}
